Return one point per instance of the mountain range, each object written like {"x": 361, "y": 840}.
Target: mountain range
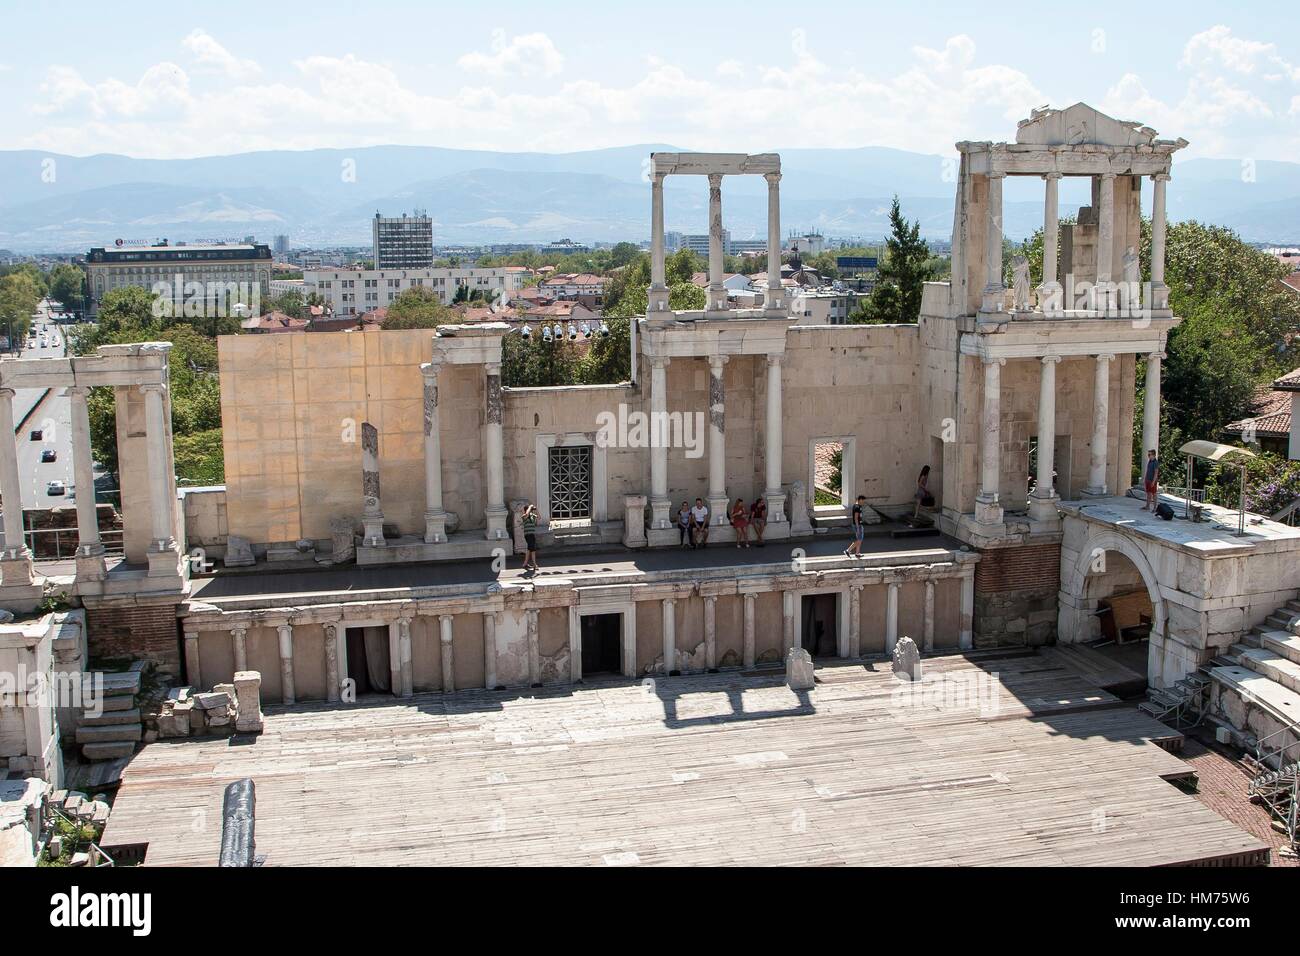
{"x": 324, "y": 197}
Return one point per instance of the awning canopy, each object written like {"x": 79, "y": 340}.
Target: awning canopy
{"x": 1213, "y": 451}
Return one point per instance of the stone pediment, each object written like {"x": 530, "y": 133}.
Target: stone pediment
{"x": 1081, "y": 125}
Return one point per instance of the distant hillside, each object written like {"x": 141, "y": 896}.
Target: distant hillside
{"x": 327, "y": 196}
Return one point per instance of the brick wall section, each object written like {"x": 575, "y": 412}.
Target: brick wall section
{"x": 137, "y": 632}
{"x": 1029, "y": 568}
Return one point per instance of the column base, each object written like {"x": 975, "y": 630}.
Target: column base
{"x": 372, "y": 530}
{"x": 435, "y": 527}
{"x": 91, "y": 565}
{"x": 657, "y": 300}
{"x": 719, "y": 510}
{"x": 15, "y": 567}
{"x": 988, "y": 511}
{"x": 775, "y": 499}
{"x": 1095, "y": 492}
{"x": 1159, "y": 297}
{"x": 634, "y": 521}
{"x": 995, "y": 299}
{"x": 659, "y": 513}
{"x": 165, "y": 562}
{"x": 496, "y": 523}
{"x": 1043, "y": 509}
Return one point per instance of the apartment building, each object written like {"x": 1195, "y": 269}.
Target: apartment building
{"x": 354, "y": 291}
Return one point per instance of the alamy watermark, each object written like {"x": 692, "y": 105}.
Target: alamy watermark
{"x": 205, "y": 300}
{"x": 631, "y": 428}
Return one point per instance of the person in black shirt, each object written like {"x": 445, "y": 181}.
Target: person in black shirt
{"x": 859, "y": 529}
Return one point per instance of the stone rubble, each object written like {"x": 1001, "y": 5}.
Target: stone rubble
{"x": 226, "y": 709}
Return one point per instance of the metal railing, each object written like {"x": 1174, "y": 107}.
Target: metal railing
{"x": 1197, "y": 494}
{"x": 1288, "y": 515}
{"x": 56, "y": 544}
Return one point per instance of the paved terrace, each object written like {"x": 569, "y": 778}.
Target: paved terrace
{"x": 730, "y": 768}
{"x": 229, "y": 588}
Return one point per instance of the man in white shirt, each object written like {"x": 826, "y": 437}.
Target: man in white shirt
{"x": 700, "y": 524}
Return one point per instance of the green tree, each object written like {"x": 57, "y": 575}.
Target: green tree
{"x": 903, "y": 274}
{"x": 67, "y": 286}
{"x": 418, "y": 308}
{"x": 19, "y": 296}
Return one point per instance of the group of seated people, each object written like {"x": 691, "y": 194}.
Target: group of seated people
{"x": 693, "y": 522}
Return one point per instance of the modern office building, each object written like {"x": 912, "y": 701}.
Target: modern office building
{"x": 403, "y": 242}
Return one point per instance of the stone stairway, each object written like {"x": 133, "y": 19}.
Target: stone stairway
{"x": 1272, "y": 649}
{"x": 115, "y": 731}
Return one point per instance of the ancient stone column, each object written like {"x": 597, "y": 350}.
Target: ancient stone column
{"x": 448, "y": 661}
{"x": 717, "y": 295}
{"x": 239, "y": 645}
{"x": 332, "y": 630}
{"x": 494, "y": 455}
{"x": 372, "y": 513}
{"x": 1159, "y": 291}
{"x": 748, "y": 654}
{"x": 407, "y": 668}
{"x": 489, "y": 650}
{"x": 1042, "y": 504}
{"x": 988, "y": 510}
{"x": 1100, "y": 424}
{"x": 1051, "y": 228}
{"x": 160, "y": 464}
{"x": 718, "y": 501}
{"x": 1151, "y": 408}
{"x": 966, "y": 639}
{"x": 575, "y": 645}
{"x": 775, "y": 443}
{"x": 1106, "y": 234}
{"x": 395, "y": 658}
{"x": 710, "y": 633}
{"x": 658, "y": 292}
{"x": 928, "y": 640}
{"x": 17, "y": 558}
{"x": 285, "y": 632}
{"x": 994, "y": 288}
{"x": 855, "y": 620}
{"x": 670, "y": 636}
{"x": 659, "y": 503}
{"x": 773, "y": 299}
{"x": 788, "y": 599}
{"x": 891, "y": 618}
{"x": 435, "y": 518}
{"x": 534, "y": 650}
{"x": 192, "y": 672}
{"x": 90, "y": 551}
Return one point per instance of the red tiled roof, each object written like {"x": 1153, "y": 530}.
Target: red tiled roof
{"x": 1290, "y": 382}
{"x": 1272, "y": 413}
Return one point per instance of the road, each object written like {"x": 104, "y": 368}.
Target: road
{"x": 51, "y": 414}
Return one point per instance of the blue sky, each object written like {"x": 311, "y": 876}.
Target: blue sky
{"x": 190, "y": 80}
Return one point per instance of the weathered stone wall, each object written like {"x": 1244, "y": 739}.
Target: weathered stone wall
{"x": 142, "y": 632}
{"x": 1016, "y": 595}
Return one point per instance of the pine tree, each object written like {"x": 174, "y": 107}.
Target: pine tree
{"x": 897, "y": 295}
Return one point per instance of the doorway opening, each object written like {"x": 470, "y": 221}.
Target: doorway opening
{"x": 602, "y": 639}
{"x": 368, "y": 660}
{"x": 820, "y": 633}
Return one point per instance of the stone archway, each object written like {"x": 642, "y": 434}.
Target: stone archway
{"x": 1076, "y": 606}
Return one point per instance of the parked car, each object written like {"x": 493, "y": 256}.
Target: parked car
{"x": 56, "y": 488}
{"x": 49, "y": 455}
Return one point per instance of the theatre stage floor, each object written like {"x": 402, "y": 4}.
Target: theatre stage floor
{"x": 731, "y": 768}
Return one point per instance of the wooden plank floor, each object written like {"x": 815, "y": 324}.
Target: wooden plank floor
{"x": 718, "y": 769}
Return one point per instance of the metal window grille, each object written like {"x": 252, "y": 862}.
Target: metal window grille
{"x": 570, "y": 478}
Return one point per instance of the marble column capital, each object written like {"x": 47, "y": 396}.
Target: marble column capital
{"x": 993, "y": 360}
{"x": 772, "y": 178}
{"x": 1161, "y": 178}
{"x": 1106, "y": 175}
{"x": 1053, "y": 175}
{"x": 717, "y": 361}
{"x": 1105, "y": 357}
{"x": 1159, "y": 356}
{"x": 1050, "y": 359}
{"x": 715, "y": 180}
{"x": 431, "y": 369}
{"x": 660, "y": 361}
{"x": 155, "y": 388}
{"x": 996, "y": 174}
{"x": 775, "y": 358}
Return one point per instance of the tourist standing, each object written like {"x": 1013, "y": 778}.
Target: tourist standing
{"x": 740, "y": 521}
{"x": 859, "y": 529}
{"x": 530, "y": 537}
{"x": 758, "y": 519}
{"x": 922, "y": 490}
{"x": 1150, "y": 480}
{"x": 684, "y": 524}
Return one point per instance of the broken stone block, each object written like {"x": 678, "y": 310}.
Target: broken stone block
{"x": 239, "y": 552}
{"x": 213, "y": 700}
{"x": 55, "y": 847}
{"x": 79, "y": 859}
{"x": 218, "y": 719}
{"x": 178, "y": 693}
{"x": 197, "y": 724}
{"x": 907, "y": 660}
{"x": 248, "y": 698}
{"x": 799, "y": 669}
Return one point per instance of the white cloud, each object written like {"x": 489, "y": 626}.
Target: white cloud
{"x": 212, "y": 56}
{"x": 1238, "y": 99}
{"x": 531, "y": 54}
{"x": 733, "y": 68}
